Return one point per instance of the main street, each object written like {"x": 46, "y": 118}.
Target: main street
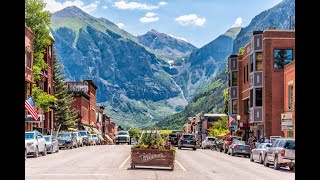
{"x": 113, "y": 162}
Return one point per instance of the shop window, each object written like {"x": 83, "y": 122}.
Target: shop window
{"x": 290, "y": 96}
{"x": 251, "y": 63}
{"x": 282, "y": 57}
{"x": 235, "y": 106}
{"x": 258, "y": 61}
{"x": 234, "y": 78}
{"x": 258, "y": 96}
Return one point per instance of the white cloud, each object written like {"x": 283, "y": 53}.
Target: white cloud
{"x": 53, "y": 5}
{"x": 105, "y": 7}
{"x": 133, "y": 5}
{"x": 121, "y": 25}
{"x": 238, "y": 22}
{"x": 181, "y": 38}
{"x": 191, "y": 19}
{"x": 162, "y": 3}
{"x": 149, "y": 17}
{"x": 150, "y": 14}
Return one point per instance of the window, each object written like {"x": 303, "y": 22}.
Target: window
{"x": 247, "y": 72}
{"x": 234, "y": 78}
{"x": 258, "y": 42}
{"x": 258, "y": 96}
{"x": 251, "y": 98}
{"x": 244, "y": 74}
{"x": 29, "y": 58}
{"x": 229, "y": 80}
{"x": 282, "y": 57}
{"x": 281, "y": 143}
{"x": 251, "y": 63}
{"x": 246, "y": 107}
{"x": 258, "y": 61}
{"x": 290, "y": 144}
{"x": 235, "y": 106}
{"x": 290, "y": 96}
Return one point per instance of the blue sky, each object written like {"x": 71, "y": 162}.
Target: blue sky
{"x": 196, "y": 21}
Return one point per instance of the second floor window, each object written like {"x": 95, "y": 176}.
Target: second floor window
{"x": 234, "y": 78}
{"x": 258, "y": 96}
{"x": 258, "y": 61}
{"x": 282, "y": 57}
{"x": 251, "y": 63}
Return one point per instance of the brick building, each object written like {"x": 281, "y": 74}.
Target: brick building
{"x": 85, "y": 101}
{"x": 288, "y": 116}
{"x": 256, "y": 81}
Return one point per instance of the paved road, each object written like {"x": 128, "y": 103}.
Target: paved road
{"x": 113, "y": 162}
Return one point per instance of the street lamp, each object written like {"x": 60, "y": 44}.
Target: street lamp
{"x": 238, "y": 118}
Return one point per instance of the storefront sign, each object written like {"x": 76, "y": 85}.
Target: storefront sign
{"x": 286, "y": 123}
{"x": 286, "y": 116}
{"x": 77, "y": 88}
{"x": 286, "y": 128}
{"x": 149, "y": 157}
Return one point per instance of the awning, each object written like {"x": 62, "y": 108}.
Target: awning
{"x": 108, "y": 137}
{"x": 96, "y": 130}
{"x": 86, "y": 127}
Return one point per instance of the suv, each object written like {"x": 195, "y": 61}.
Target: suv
{"x": 67, "y": 140}
{"x": 122, "y": 137}
{"x": 187, "y": 141}
{"x": 79, "y": 138}
{"x": 84, "y": 135}
{"x": 228, "y": 141}
{"x": 207, "y": 142}
{"x": 281, "y": 153}
{"x": 35, "y": 143}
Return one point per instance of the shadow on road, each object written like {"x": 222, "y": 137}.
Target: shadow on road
{"x": 149, "y": 169}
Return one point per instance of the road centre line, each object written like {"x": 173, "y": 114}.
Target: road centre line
{"x": 180, "y": 166}
{"x": 124, "y": 162}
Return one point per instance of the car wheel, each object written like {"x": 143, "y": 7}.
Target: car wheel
{"x": 265, "y": 161}
{"x": 44, "y": 153}
{"x": 194, "y": 148}
{"x": 251, "y": 157}
{"x": 292, "y": 168}
{"x": 71, "y": 147}
{"x": 36, "y": 152}
{"x": 260, "y": 159}
{"x": 179, "y": 147}
{"x": 276, "y": 163}
{"x": 225, "y": 150}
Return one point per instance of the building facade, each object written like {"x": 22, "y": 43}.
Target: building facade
{"x": 256, "y": 81}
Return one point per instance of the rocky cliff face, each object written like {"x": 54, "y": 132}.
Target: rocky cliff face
{"x": 165, "y": 45}
{"x": 277, "y": 16}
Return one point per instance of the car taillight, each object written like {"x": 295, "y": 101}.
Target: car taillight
{"x": 236, "y": 146}
{"x": 282, "y": 152}
{"x": 250, "y": 148}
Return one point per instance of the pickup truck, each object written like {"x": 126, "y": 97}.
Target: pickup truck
{"x": 122, "y": 137}
{"x": 281, "y": 153}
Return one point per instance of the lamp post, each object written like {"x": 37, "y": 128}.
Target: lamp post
{"x": 238, "y": 121}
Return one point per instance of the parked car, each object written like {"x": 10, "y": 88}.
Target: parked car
{"x": 52, "y": 144}
{"x": 91, "y": 141}
{"x": 78, "y": 138}
{"x": 96, "y": 139}
{"x": 84, "y": 135}
{"x": 67, "y": 140}
{"x": 207, "y": 142}
{"x": 26, "y": 151}
{"x": 35, "y": 143}
{"x": 187, "y": 141}
{"x": 174, "y": 138}
{"x": 122, "y": 137}
{"x": 238, "y": 147}
{"x": 258, "y": 153}
{"x": 281, "y": 153}
{"x": 228, "y": 141}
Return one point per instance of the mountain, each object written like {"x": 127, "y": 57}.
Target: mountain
{"x": 200, "y": 67}
{"x": 131, "y": 80}
{"x": 209, "y": 100}
{"x": 165, "y": 45}
{"x": 277, "y": 16}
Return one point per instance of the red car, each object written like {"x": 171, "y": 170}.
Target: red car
{"x": 228, "y": 141}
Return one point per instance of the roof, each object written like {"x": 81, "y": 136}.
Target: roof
{"x": 94, "y": 85}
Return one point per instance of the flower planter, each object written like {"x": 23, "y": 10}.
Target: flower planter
{"x": 152, "y": 157}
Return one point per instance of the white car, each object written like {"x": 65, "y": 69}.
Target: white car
{"x": 207, "y": 142}
{"x": 35, "y": 143}
{"x": 79, "y": 138}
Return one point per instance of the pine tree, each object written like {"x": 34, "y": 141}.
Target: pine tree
{"x": 64, "y": 113}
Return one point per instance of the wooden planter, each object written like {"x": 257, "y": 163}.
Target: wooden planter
{"x": 152, "y": 157}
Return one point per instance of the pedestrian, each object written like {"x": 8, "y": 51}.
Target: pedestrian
{"x": 267, "y": 140}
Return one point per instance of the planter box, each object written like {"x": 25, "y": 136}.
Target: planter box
{"x": 152, "y": 157}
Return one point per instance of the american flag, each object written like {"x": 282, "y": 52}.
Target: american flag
{"x": 230, "y": 119}
{"x": 29, "y": 105}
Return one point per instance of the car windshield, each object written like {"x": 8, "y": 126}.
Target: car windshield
{"x": 29, "y": 135}
{"x": 239, "y": 142}
{"x": 94, "y": 135}
{"x": 83, "y": 133}
{"x": 48, "y": 138}
{"x": 64, "y": 135}
{"x": 211, "y": 139}
{"x": 290, "y": 144}
{"x": 122, "y": 133}
{"x": 188, "y": 136}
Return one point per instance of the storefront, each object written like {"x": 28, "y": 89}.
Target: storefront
{"x": 287, "y": 124}
{"x": 257, "y": 130}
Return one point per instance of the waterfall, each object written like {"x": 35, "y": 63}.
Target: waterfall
{"x": 181, "y": 92}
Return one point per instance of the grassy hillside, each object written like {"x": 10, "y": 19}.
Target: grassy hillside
{"x": 209, "y": 100}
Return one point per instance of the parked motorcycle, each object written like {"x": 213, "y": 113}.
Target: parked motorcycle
{"x": 217, "y": 146}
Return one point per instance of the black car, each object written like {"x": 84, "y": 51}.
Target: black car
{"x": 187, "y": 141}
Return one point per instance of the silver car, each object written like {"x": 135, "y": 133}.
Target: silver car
{"x": 281, "y": 154}
{"x": 258, "y": 153}
{"x": 79, "y": 138}
{"x": 238, "y": 147}
{"x": 52, "y": 144}
{"x": 35, "y": 143}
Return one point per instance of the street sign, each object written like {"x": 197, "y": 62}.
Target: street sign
{"x": 286, "y": 128}
{"x": 286, "y": 123}
{"x": 286, "y": 116}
